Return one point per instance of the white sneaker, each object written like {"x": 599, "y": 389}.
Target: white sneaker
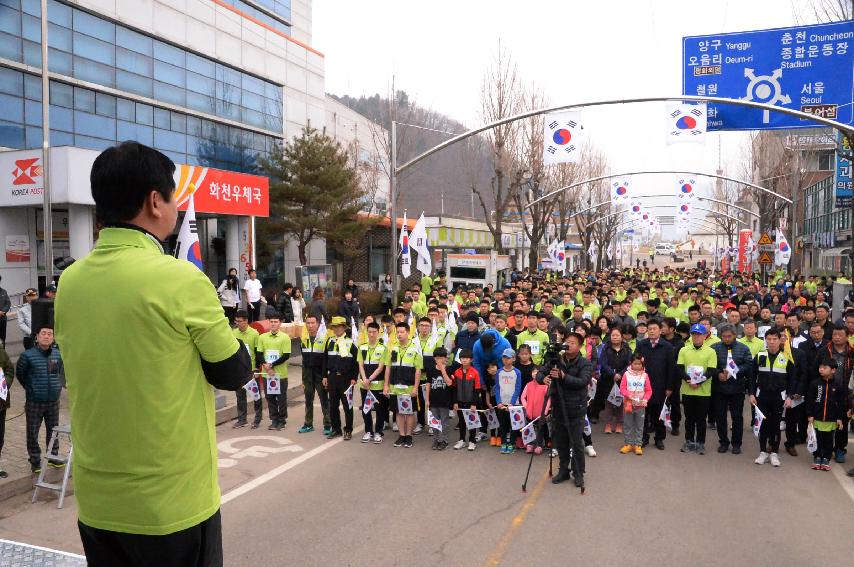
{"x": 366, "y": 438}
{"x": 775, "y": 460}
{"x": 459, "y": 445}
{"x": 591, "y": 452}
{"x": 418, "y": 429}
{"x": 378, "y": 438}
{"x": 472, "y": 446}
{"x": 430, "y": 432}
{"x": 554, "y": 453}
{"x": 762, "y": 458}
{"x": 394, "y": 427}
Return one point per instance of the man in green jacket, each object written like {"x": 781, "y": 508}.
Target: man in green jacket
{"x": 143, "y": 338}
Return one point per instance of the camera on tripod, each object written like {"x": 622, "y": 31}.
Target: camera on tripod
{"x": 551, "y": 357}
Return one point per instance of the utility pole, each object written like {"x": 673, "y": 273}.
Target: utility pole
{"x": 47, "y": 214}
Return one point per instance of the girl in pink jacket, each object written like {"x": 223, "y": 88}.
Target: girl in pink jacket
{"x": 533, "y": 397}
{"x": 636, "y": 391}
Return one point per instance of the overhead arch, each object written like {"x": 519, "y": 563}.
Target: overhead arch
{"x": 612, "y": 202}
{"x": 622, "y": 212}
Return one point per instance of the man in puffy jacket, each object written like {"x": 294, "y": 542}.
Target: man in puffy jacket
{"x": 773, "y": 381}
{"x": 466, "y": 338}
{"x": 729, "y": 387}
{"x": 568, "y": 382}
{"x": 659, "y": 357}
{"x": 489, "y": 348}
{"x": 8, "y": 371}
{"x": 38, "y": 372}
{"x": 284, "y": 307}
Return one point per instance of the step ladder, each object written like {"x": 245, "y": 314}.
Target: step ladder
{"x": 65, "y": 431}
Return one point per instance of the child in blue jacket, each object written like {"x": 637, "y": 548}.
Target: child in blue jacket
{"x": 506, "y": 392}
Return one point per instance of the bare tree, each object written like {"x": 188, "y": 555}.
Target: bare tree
{"x": 728, "y": 192}
{"x": 501, "y": 97}
{"x": 566, "y": 202}
{"x": 593, "y": 164}
{"x": 826, "y": 11}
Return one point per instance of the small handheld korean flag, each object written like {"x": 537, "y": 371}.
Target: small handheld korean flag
{"x": 472, "y": 418}
{"x": 404, "y": 405}
{"x": 588, "y": 430}
{"x": 251, "y": 388}
{"x": 273, "y": 385}
{"x": 686, "y": 123}
{"x": 492, "y": 419}
{"x": 563, "y": 138}
{"x": 321, "y": 329}
{"x": 665, "y": 417}
{"x": 434, "y": 422}
{"x": 529, "y": 433}
{"x": 349, "y": 395}
{"x": 369, "y": 403}
{"x": 405, "y": 253}
{"x": 517, "y": 417}
{"x": 4, "y": 387}
{"x": 758, "y": 418}
{"x": 354, "y": 331}
{"x": 731, "y": 367}
{"x": 187, "y": 246}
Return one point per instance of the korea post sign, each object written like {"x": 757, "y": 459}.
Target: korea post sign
{"x": 807, "y": 68}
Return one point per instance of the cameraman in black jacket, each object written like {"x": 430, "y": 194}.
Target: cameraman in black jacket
{"x": 568, "y": 378}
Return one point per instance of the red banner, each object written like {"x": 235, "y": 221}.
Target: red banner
{"x": 744, "y": 255}
{"x": 222, "y": 192}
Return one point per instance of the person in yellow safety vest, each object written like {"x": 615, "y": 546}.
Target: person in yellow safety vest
{"x": 313, "y": 347}
{"x": 342, "y": 369}
{"x": 372, "y": 378}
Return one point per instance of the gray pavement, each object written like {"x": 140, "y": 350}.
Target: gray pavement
{"x": 299, "y": 499}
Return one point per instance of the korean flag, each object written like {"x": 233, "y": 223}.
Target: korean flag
{"x": 492, "y": 419}
{"x": 472, "y": 419}
{"x": 349, "y": 396}
{"x": 517, "y": 417}
{"x": 273, "y": 385}
{"x": 251, "y": 388}
{"x": 4, "y": 387}
{"x": 563, "y": 138}
{"x": 529, "y": 433}
{"x": 404, "y": 405}
{"x": 685, "y": 188}
{"x": 620, "y": 191}
{"x": 758, "y": 418}
{"x": 686, "y": 123}
{"x": 368, "y": 404}
{"x": 434, "y": 422}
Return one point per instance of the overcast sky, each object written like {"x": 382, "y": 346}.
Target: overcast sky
{"x": 575, "y": 51}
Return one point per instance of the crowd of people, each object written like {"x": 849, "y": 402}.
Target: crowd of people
{"x": 646, "y": 354}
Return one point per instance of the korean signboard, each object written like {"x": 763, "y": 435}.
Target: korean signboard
{"x": 843, "y": 182}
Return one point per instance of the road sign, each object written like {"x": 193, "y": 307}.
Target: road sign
{"x": 844, "y": 184}
{"x": 765, "y": 240}
{"x": 806, "y": 68}
{"x": 766, "y": 259}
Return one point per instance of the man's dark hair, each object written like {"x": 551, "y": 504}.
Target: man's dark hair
{"x": 373, "y": 325}
{"x": 401, "y": 325}
{"x": 654, "y": 322}
{"x": 487, "y": 342}
{"x": 123, "y": 177}
{"x": 241, "y": 314}
{"x": 772, "y": 333}
{"x": 440, "y": 352}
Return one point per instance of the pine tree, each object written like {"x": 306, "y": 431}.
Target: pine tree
{"x": 314, "y": 192}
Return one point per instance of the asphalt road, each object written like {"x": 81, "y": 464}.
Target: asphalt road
{"x": 299, "y": 499}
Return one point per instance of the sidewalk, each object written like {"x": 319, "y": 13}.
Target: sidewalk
{"x": 14, "y": 457}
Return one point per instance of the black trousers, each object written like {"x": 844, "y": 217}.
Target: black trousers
{"x": 242, "y": 409}
{"x": 337, "y": 388}
{"x": 734, "y": 404}
{"x": 675, "y": 408}
{"x": 696, "y": 410}
{"x": 796, "y": 425}
{"x": 230, "y": 312}
{"x": 825, "y": 441}
{"x": 568, "y": 439}
{"x": 461, "y": 423}
{"x": 36, "y": 413}
{"x": 2, "y": 428}
{"x": 198, "y": 546}
{"x": 653, "y": 424}
{"x": 381, "y": 408}
{"x": 769, "y": 433}
{"x": 312, "y": 381}
{"x": 422, "y": 408}
{"x": 3, "y": 322}
{"x": 277, "y": 404}
{"x": 254, "y": 310}
{"x": 840, "y": 442}
{"x": 504, "y": 428}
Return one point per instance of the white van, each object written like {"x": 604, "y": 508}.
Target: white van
{"x": 666, "y": 248}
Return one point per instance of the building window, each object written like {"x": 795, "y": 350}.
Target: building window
{"x": 825, "y": 160}
{"x": 88, "y": 119}
{"x": 96, "y": 50}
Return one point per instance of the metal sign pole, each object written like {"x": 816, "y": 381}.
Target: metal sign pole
{"x": 47, "y": 214}
{"x": 392, "y": 197}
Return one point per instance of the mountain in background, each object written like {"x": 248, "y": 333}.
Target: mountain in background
{"x": 444, "y": 176}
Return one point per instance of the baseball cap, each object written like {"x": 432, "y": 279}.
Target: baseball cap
{"x": 508, "y": 353}
{"x": 698, "y": 328}
{"x": 338, "y": 320}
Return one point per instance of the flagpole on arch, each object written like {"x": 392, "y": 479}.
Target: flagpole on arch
{"x": 392, "y": 197}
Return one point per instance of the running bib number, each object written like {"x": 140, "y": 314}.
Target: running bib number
{"x": 535, "y": 347}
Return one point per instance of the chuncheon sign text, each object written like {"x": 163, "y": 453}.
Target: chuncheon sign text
{"x": 807, "y": 68}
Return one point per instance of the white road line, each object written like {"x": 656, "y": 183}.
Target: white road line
{"x": 270, "y": 475}
{"x": 840, "y": 473}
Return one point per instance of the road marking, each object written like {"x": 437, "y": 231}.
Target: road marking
{"x": 281, "y": 469}
{"x": 258, "y": 451}
{"x": 842, "y": 477}
{"x": 498, "y": 554}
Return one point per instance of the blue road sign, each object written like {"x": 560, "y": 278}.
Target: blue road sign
{"x": 807, "y": 68}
